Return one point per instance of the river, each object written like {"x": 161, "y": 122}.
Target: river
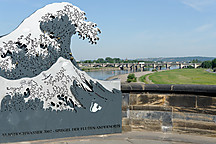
{"x": 104, "y": 74}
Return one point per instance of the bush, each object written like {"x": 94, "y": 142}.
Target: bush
{"x": 213, "y": 63}
{"x": 206, "y": 64}
{"x": 190, "y": 67}
{"x": 131, "y": 78}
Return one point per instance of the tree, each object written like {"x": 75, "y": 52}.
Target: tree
{"x": 206, "y": 64}
{"x": 214, "y": 63}
{"x": 117, "y": 60}
{"x": 195, "y": 61}
{"x": 109, "y": 59}
{"x": 87, "y": 61}
{"x": 100, "y": 60}
{"x": 131, "y": 78}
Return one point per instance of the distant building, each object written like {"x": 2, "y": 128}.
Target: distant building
{"x": 141, "y": 62}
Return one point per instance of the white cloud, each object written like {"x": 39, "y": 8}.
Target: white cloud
{"x": 204, "y": 28}
{"x": 198, "y": 5}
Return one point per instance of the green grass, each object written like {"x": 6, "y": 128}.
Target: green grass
{"x": 143, "y": 78}
{"x": 184, "y": 76}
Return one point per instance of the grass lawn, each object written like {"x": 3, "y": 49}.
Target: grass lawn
{"x": 184, "y": 76}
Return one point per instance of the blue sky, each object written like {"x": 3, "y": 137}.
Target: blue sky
{"x": 133, "y": 28}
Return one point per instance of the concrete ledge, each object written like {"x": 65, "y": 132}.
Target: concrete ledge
{"x": 140, "y": 87}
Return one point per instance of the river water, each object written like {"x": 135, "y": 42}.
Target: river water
{"x": 104, "y": 74}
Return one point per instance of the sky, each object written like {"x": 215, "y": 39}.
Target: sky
{"x": 133, "y": 28}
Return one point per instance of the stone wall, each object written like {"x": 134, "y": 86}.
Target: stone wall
{"x": 178, "y": 108}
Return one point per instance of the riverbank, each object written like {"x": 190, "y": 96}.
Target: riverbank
{"x": 123, "y": 77}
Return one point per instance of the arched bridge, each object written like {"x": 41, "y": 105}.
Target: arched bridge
{"x": 135, "y": 66}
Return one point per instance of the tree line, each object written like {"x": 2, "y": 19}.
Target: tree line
{"x": 209, "y": 64}
{"x": 112, "y": 60}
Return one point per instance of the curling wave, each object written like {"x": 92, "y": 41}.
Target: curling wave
{"x": 42, "y": 38}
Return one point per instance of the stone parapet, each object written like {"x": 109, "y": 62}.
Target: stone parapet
{"x": 178, "y": 108}
{"x": 169, "y": 88}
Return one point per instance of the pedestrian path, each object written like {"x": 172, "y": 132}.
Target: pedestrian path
{"x": 123, "y": 77}
{"x": 134, "y": 137}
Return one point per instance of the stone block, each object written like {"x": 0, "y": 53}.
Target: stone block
{"x": 183, "y": 130}
{"x": 124, "y": 114}
{"x": 133, "y": 99}
{"x": 204, "y": 101}
{"x": 195, "y": 88}
{"x": 125, "y": 99}
{"x": 154, "y": 125}
{"x": 167, "y": 119}
{"x": 182, "y": 101}
{"x": 126, "y": 87}
{"x": 148, "y": 115}
{"x": 126, "y": 128}
{"x": 150, "y": 108}
{"x": 137, "y": 86}
{"x": 195, "y": 124}
{"x": 185, "y": 116}
{"x": 158, "y": 87}
{"x": 125, "y": 121}
{"x": 211, "y": 111}
{"x": 150, "y": 99}
{"x": 124, "y": 108}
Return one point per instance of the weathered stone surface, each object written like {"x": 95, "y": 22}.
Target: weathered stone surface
{"x": 124, "y": 114}
{"x": 195, "y": 124}
{"x": 137, "y": 86}
{"x": 195, "y": 88}
{"x": 167, "y": 119}
{"x": 211, "y": 111}
{"x": 125, "y": 99}
{"x": 125, "y": 121}
{"x": 140, "y": 114}
{"x": 202, "y": 89}
{"x": 126, "y": 87}
{"x": 158, "y": 87}
{"x": 153, "y": 125}
{"x": 182, "y": 101}
{"x": 204, "y": 102}
{"x": 179, "y": 108}
{"x": 151, "y": 99}
{"x": 196, "y": 131}
{"x": 133, "y": 99}
{"x": 126, "y": 128}
{"x": 194, "y": 116}
{"x": 150, "y": 108}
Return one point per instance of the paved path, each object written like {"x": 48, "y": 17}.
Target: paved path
{"x": 148, "y": 80}
{"x": 210, "y": 71}
{"x": 135, "y": 137}
{"x": 123, "y": 77}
